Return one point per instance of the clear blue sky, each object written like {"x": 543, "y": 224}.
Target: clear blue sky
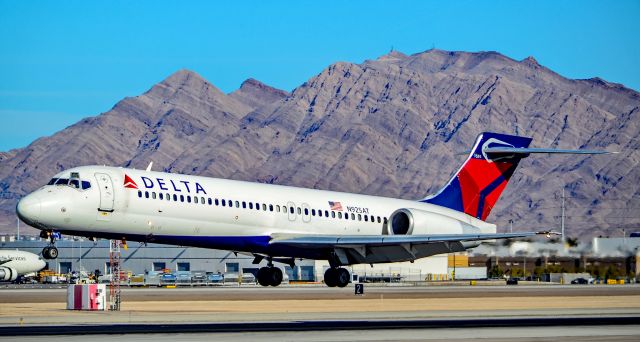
{"x": 64, "y": 60}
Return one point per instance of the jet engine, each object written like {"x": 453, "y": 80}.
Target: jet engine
{"x": 409, "y": 221}
{"x": 8, "y": 274}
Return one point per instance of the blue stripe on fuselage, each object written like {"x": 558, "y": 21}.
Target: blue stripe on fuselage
{"x": 249, "y": 244}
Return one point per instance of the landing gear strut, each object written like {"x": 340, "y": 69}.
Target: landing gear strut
{"x": 49, "y": 252}
{"x": 269, "y": 275}
{"x": 339, "y": 277}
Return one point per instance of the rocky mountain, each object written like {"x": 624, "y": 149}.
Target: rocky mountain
{"x": 393, "y": 126}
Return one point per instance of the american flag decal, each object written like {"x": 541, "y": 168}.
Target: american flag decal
{"x": 337, "y": 206}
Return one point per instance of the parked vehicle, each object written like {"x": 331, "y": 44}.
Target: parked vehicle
{"x": 167, "y": 279}
{"x": 183, "y": 278}
{"x": 137, "y": 280}
{"x": 198, "y": 278}
{"x": 215, "y": 279}
{"x": 512, "y": 281}
{"x": 580, "y": 281}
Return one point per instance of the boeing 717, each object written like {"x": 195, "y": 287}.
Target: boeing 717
{"x": 282, "y": 223}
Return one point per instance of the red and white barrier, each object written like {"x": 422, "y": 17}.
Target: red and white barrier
{"x": 87, "y": 297}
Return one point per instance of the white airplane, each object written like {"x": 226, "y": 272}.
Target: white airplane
{"x": 14, "y": 263}
{"x": 281, "y": 223}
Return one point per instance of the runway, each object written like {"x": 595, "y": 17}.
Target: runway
{"x": 393, "y": 310}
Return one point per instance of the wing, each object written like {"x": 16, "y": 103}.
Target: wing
{"x": 360, "y": 249}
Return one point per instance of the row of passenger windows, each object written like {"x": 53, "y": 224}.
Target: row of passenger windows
{"x": 261, "y": 206}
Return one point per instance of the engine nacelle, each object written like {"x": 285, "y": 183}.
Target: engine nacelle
{"x": 8, "y": 274}
{"x": 409, "y": 221}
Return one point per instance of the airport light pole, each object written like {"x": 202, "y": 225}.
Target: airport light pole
{"x": 562, "y": 217}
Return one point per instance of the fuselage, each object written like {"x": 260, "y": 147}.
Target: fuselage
{"x": 147, "y": 206}
{"x": 21, "y": 262}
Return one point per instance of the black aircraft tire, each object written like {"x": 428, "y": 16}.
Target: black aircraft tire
{"x": 342, "y": 277}
{"x": 45, "y": 253}
{"x": 275, "y": 278}
{"x": 263, "y": 276}
{"x": 331, "y": 277}
{"x": 53, "y": 252}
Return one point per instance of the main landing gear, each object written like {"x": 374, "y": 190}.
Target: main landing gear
{"x": 50, "y": 252}
{"x": 337, "y": 276}
{"x": 269, "y": 276}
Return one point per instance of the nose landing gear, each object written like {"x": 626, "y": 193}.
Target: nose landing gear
{"x": 337, "y": 276}
{"x": 50, "y": 252}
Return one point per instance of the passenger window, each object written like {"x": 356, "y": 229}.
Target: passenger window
{"x": 237, "y": 204}
{"x": 188, "y": 199}
{"x": 346, "y": 216}
{"x": 326, "y": 213}
{"x": 333, "y": 214}
{"x": 378, "y": 217}
{"x": 175, "y": 198}
{"x": 270, "y": 207}
{"x": 277, "y": 208}
{"x": 139, "y": 193}
{"x": 291, "y": 210}
{"x": 319, "y": 212}
{"x": 244, "y": 205}
{"x": 385, "y": 220}
{"x": 195, "y": 199}
{"x": 250, "y": 205}
{"x": 181, "y": 198}
{"x": 372, "y": 218}
{"x": 299, "y": 211}
{"x": 359, "y": 217}
{"x": 306, "y": 211}
{"x": 217, "y": 202}
{"x": 168, "y": 196}
{"x": 202, "y": 200}
{"x": 146, "y": 194}
{"x": 209, "y": 201}
{"x": 353, "y": 216}
{"x": 264, "y": 207}
{"x": 366, "y": 218}
{"x": 257, "y": 206}
{"x": 224, "y": 203}
{"x": 161, "y": 196}
{"x": 313, "y": 212}
{"x": 339, "y": 214}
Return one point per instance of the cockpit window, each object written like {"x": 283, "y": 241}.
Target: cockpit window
{"x": 74, "y": 183}
{"x": 62, "y": 181}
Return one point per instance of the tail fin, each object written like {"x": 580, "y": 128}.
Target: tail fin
{"x": 477, "y": 185}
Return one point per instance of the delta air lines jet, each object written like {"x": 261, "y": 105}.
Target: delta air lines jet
{"x": 281, "y": 223}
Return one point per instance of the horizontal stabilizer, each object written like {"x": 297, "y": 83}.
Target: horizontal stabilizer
{"x": 517, "y": 150}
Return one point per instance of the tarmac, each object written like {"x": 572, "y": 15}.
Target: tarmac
{"x": 287, "y": 309}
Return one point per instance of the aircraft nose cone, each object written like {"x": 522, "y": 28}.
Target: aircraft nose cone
{"x": 28, "y": 209}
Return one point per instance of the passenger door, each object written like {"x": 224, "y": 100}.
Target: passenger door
{"x": 106, "y": 192}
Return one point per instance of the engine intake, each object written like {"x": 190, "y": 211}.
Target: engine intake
{"x": 410, "y": 221}
{"x": 8, "y": 274}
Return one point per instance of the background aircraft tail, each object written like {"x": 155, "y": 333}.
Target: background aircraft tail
{"x": 477, "y": 185}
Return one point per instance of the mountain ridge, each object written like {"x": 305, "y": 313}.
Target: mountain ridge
{"x": 391, "y": 126}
